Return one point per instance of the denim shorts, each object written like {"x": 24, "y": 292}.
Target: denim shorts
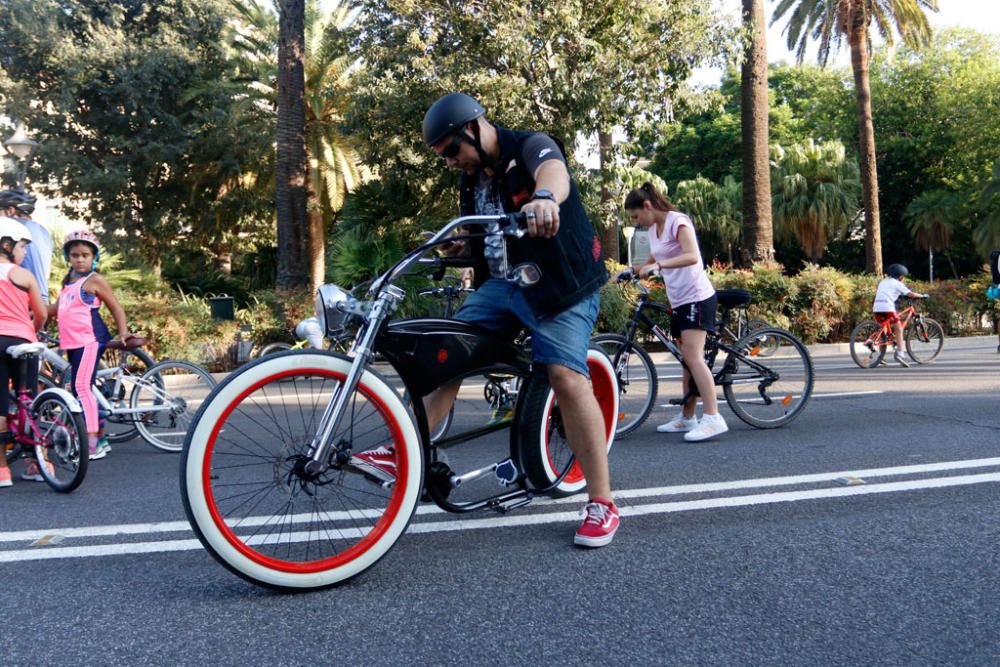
{"x": 562, "y": 339}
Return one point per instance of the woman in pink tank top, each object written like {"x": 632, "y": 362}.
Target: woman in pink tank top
{"x": 82, "y": 332}
{"x": 22, "y": 315}
{"x": 674, "y": 252}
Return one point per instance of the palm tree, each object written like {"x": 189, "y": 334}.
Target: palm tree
{"x": 334, "y": 166}
{"x": 290, "y": 184}
{"x": 715, "y": 211}
{"x": 931, "y": 219}
{"x": 758, "y": 235}
{"x": 815, "y": 193}
{"x": 829, "y": 21}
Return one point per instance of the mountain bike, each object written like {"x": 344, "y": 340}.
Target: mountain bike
{"x": 267, "y": 477}
{"x": 762, "y": 394}
{"x": 733, "y": 322}
{"x": 49, "y": 427}
{"x": 923, "y": 336}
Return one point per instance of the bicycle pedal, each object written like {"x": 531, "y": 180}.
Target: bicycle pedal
{"x": 676, "y": 401}
{"x": 503, "y": 508}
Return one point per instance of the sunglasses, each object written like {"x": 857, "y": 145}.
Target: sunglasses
{"x": 452, "y": 149}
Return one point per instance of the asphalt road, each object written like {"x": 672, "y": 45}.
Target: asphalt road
{"x": 865, "y": 532}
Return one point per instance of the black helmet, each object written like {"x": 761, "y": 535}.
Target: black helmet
{"x": 17, "y": 199}
{"x": 897, "y": 271}
{"x": 449, "y": 114}
{"x": 25, "y": 208}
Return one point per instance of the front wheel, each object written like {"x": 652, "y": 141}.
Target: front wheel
{"x": 540, "y": 439}
{"x": 867, "y": 344}
{"x": 165, "y": 399}
{"x": 637, "y": 380}
{"x": 772, "y": 393}
{"x": 60, "y": 436}
{"x": 246, "y": 489}
{"x": 924, "y": 340}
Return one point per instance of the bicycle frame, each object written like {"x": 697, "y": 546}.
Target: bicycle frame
{"x": 885, "y": 334}
{"x": 428, "y": 353}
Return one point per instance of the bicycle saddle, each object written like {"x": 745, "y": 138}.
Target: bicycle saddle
{"x": 730, "y": 298}
{"x": 24, "y": 349}
{"x": 131, "y": 343}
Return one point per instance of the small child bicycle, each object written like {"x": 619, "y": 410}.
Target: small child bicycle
{"x": 50, "y": 428}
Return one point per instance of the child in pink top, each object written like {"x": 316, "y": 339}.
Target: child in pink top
{"x": 82, "y": 332}
{"x": 674, "y": 252}
{"x": 22, "y": 314}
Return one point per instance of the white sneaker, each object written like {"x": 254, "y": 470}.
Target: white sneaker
{"x": 708, "y": 426}
{"x": 902, "y": 359}
{"x": 679, "y": 424}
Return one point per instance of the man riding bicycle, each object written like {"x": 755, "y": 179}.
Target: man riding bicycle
{"x": 504, "y": 171}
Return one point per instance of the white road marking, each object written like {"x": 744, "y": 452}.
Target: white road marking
{"x": 55, "y": 536}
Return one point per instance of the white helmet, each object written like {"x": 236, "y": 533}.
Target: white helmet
{"x": 11, "y": 228}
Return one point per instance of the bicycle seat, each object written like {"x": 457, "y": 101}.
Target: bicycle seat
{"x": 731, "y": 298}
{"x": 131, "y": 343}
{"x": 25, "y": 349}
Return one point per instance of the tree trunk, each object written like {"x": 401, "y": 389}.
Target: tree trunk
{"x": 317, "y": 238}
{"x": 758, "y": 233}
{"x": 608, "y": 232}
{"x": 858, "y": 38}
{"x": 291, "y": 169}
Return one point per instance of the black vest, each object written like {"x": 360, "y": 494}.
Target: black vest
{"x": 572, "y": 264}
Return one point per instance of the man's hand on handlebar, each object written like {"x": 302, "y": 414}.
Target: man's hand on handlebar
{"x": 542, "y": 217}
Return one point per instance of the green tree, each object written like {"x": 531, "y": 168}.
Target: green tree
{"x": 102, "y": 87}
{"x": 987, "y": 233}
{"x": 828, "y": 22}
{"x": 815, "y": 193}
{"x": 563, "y": 66}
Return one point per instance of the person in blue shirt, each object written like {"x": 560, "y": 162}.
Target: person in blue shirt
{"x": 20, "y": 206}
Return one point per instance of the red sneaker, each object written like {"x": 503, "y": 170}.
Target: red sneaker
{"x": 5, "y": 477}
{"x": 601, "y": 524}
{"x": 379, "y": 463}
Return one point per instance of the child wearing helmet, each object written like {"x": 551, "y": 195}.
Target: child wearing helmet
{"x": 884, "y": 308}
{"x": 82, "y": 332}
{"x": 22, "y": 315}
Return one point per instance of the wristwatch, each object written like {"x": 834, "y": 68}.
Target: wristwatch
{"x": 543, "y": 194}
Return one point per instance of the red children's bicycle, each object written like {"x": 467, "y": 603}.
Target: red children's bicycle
{"x": 49, "y": 427}
{"x": 923, "y": 336}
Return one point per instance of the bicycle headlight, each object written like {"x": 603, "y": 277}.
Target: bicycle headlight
{"x": 331, "y": 317}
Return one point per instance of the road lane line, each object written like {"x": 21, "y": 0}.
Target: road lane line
{"x": 680, "y": 489}
{"x": 540, "y": 518}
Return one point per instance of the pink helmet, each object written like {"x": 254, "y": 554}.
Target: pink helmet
{"x": 82, "y": 236}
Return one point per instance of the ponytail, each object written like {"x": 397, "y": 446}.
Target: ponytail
{"x": 647, "y": 192}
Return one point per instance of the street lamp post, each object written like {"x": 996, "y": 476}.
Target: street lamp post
{"x": 629, "y": 232}
{"x": 23, "y": 149}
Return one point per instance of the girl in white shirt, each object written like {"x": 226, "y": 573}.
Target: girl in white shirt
{"x": 674, "y": 252}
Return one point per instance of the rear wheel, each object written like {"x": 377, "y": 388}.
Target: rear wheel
{"x": 61, "y": 442}
{"x": 273, "y": 348}
{"x": 164, "y": 401}
{"x": 924, "y": 340}
{"x": 772, "y": 393}
{"x": 541, "y": 445}
{"x": 637, "y": 381}
{"x": 120, "y": 427}
{"x": 867, "y": 344}
{"x": 252, "y": 503}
